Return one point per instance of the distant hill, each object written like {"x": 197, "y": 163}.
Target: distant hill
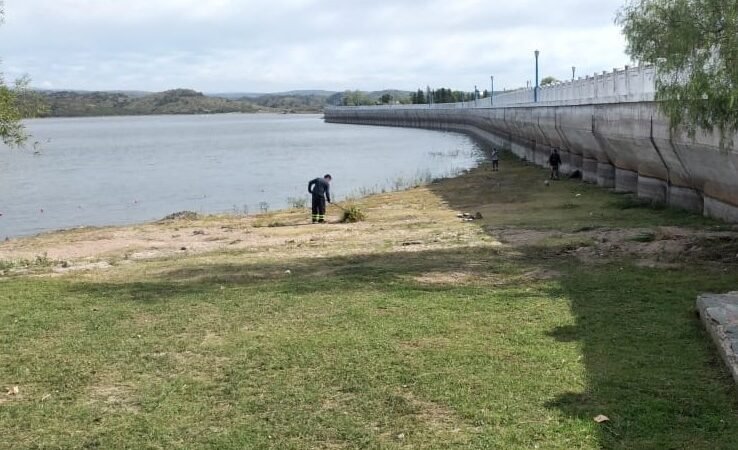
{"x": 177, "y": 101}
{"x": 290, "y": 102}
{"x": 296, "y": 93}
{"x": 187, "y": 101}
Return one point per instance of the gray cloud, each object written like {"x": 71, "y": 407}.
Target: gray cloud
{"x": 267, "y": 45}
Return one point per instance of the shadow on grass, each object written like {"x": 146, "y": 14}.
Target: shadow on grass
{"x": 651, "y": 368}
{"x": 649, "y": 365}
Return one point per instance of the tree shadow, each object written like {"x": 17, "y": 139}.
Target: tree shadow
{"x": 650, "y": 366}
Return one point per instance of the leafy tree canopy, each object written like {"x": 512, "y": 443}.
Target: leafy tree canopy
{"x": 694, "y": 47}
{"x": 549, "y": 81}
{"x": 16, "y": 103}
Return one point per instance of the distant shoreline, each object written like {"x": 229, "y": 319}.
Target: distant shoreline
{"x": 254, "y": 113}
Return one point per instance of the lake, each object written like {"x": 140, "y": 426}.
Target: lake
{"x": 122, "y": 170}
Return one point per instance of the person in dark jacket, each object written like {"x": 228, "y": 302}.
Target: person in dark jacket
{"x": 554, "y": 161}
{"x": 320, "y": 188}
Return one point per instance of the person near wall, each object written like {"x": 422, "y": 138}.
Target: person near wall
{"x": 495, "y": 160}
{"x": 554, "y": 161}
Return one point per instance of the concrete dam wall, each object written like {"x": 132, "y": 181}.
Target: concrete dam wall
{"x": 625, "y": 146}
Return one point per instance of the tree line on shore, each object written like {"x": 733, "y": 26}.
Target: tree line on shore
{"x": 419, "y": 97}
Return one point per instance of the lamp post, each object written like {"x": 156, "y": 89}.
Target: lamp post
{"x": 573, "y": 73}
{"x": 535, "y": 89}
{"x": 492, "y": 92}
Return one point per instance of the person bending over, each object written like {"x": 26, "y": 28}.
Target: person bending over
{"x": 320, "y": 188}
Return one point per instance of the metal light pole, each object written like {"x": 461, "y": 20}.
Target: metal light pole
{"x": 573, "y": 73}
{"x": 492, "y": 92}
{"x": 535, "y": 89}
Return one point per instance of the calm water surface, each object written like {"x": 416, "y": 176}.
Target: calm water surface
{"x": 122, "y": 170}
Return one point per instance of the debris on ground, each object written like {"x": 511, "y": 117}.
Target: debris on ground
{"x": 468, "y": 217}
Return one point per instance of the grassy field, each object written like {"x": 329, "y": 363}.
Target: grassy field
{"x": 411, "y": 330}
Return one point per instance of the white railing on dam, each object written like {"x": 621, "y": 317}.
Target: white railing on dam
{"x": 632, "y": 84}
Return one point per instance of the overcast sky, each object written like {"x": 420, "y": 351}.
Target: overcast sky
{"x": 276, "y": 45}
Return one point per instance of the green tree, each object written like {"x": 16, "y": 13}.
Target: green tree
{"x": 356, "y": 98}
{"x": 386, "y": 99}
{"x": 547, "y": 81}
{"x": 17, "y": 102}
{"x": 694, "y": 46}
{"x": 11, "y": 129}
{"x": 419, "y": 97}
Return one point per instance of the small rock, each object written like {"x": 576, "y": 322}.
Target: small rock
{"x": 288, "y": 272}
{"x": 478, "y": 216}
{"x": 183, "y": 249}
{"x": 547, "y": 183}
{"x": 460, "y": 216}
{"x": 401, "y": 436}
{"x": 466, "y": 215}
{"x": 198, "y": 233}
{"x": 601, "y": 419}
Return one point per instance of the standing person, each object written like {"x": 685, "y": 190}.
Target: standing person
{"x": 495, "y": 160}
{"x": 554, "y": 161}
{"x": 320, "y": 188}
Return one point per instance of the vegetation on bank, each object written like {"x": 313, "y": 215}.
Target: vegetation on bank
{"x": 413, "y": 329}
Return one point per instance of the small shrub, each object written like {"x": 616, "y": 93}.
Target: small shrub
{"x": 631, "y": 202}
{"x": 586, "y": 228}
{"x": 647, "y": 236}
{"x": 182, "y": 215}
{"x": 353, "y": 214}
{"x": 297, "y": 203}
{"x": 244, "y": 211}
{"x": 43, "y": 261}
{"x": 276, "y": 224}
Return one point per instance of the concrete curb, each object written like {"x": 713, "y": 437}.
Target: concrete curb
{"x": 719, "y": 313}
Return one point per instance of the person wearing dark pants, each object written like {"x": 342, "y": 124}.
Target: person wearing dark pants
{"x": 320, "y": 189}
{"x": 495, "y": 160}
{"x": 554, "y": 161}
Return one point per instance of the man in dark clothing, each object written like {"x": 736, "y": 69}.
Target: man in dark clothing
{"x": 554, "y": 161}
{"x": 320, "y": 188}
